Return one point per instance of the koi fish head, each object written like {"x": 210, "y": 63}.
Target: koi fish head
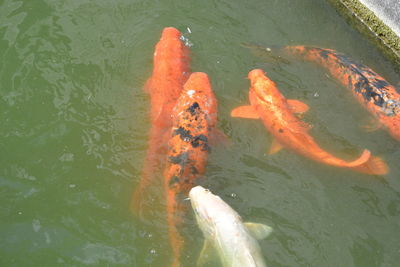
{"x": 170, "y": 33}
{"x": 262, "y": 89}
{"x": 170, "y": 72}
{"x": 207, "y": 208}
{"x": 171, "y": 56}
{"x": 197, "y": 96}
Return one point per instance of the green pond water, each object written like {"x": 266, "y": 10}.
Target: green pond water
{"x": 74, "y": 129}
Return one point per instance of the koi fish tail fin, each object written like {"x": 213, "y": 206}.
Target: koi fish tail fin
{"x": 176, "y": 263}
{"x": 136, "y": 205}
{"x": 175, "y": 214}
{"x": 365, "y": 157}
{"x": 147, "y": 201}
{"x": 374, "y": 166}
{"x": 146, "y": 192}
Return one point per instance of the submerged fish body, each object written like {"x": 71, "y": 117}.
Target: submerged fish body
{"x": 170, "y": 72}
{"x": 225, "y": 233}
{"x": 379, "y": 97}
{"x": 194, "y": 119}
{"x": 278, "y": 116}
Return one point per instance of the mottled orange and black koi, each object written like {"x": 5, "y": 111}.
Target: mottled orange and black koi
{"x": 194, "y": 119}
{"x": 379, "y": 97}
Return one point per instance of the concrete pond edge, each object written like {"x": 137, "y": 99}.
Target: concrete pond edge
{"x": 368, "y": 23}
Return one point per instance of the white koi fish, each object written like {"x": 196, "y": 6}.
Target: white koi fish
{"x": 225, "y": 233}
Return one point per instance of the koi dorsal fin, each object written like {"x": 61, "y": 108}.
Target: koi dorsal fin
{"x": 247, "y": 112}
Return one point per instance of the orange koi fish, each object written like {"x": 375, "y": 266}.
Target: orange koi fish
{"x": 194, "y": 121}
{"x": 380, "y": 98}
{"x": 277, "y": 114}
{"x": 170, "y": 72}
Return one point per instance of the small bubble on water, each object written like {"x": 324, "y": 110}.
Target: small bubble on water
{"x": 72, "y": 185}
{"x": 19, "y": 212}
{"x": 186, "y": 41}
{"x": 152, "y": 251}
{"x": 233, "y": 195}
{"x": 150, "y": 235}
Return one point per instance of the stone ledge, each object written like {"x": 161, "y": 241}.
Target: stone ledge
{"x": 371, "y": 24}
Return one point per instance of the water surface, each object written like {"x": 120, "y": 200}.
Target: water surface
{"x": 74, "y": 134}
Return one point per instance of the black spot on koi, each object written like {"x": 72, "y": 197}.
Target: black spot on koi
{"x": 181, "y": 159}
{"x": 350, "y": 82}
{"x": 369, "y": 92}
{"x": 206, "y": 147}
{"x": 183, "y": 133}
{"x": 193, "y": 108}
{"x": 174, "y": 180}
{"x": 380, "y": 84}
{"x": 197, "y": 140}
{"x": 194, "y": 170}
{"x": 324, "y": 53}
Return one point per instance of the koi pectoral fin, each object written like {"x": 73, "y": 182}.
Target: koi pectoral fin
{"x": 258, "y": 230}
{"x": 219, "y": 137}
{"x": 147, "y": 86}
{"x": 372, "y": 125}
{"x": 247, "y": 112}
{"x": 296, "y": 106}
{"x": 207, "y": 254}
{"x": 275, "y": 147}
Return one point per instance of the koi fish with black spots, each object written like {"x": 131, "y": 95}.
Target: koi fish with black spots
{"x": 278, "y": 116}
{"x": 380, "y": 98}
{"x": 194, "y": 125}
